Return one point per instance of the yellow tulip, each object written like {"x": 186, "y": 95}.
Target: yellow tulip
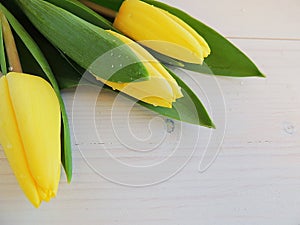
{"x": 161, "y": 31}
{"x": 160, "y": 90}
{"x": 30, "y": 134}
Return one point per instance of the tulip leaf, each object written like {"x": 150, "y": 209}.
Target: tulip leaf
{"x": 39, "y": 57}
{"x": 66, "y": 71}
{"x": 84, "y": 12}
{"x": 111, "y": 4}
{"x": 115, "y": 61}
{"x": 2, "y": 51}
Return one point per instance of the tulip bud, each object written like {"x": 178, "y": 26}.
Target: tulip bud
{"x": 30, "y": 134}
{"x": 160, "y": 90}
{"x": 161, "y": 31}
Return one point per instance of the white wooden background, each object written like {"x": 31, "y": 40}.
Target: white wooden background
{"x": 255, "y": 179}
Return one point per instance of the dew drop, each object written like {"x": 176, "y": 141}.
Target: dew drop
{"x": 112, "y": 66}
{"x": 111, "y": 54}
{"x": 121, "y": 65}
{"x": 10, "y": 68}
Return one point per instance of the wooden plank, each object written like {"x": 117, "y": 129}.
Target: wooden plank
{"x": 255, "y": 179}
{"x": 242, "y": 18}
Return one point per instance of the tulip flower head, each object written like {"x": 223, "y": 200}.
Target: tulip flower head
{"x": 161, "y": 31}
{"x": 30, "y": 134}
{"x": 160, "y": 90}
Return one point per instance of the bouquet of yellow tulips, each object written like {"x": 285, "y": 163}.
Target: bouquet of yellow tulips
{"x": 59, "y": 40}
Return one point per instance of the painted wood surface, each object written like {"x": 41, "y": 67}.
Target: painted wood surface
{"x": 157, "y": 171}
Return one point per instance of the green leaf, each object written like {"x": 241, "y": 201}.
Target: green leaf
{"x": 67, "y": 75}
{"x": 82, "y": 11}
{"x": 2, "y": 51}
{"x": 111, "y": 4}
{"x": 39, "y": 57}
{"x": 89, "y": 46}
{"x": 225, "y": 59}
{"x": 66, "y": 71}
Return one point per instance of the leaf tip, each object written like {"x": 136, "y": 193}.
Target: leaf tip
{"x": 262, "y": 75}
{"x": 69, "y": 179}
{"x": 208, "y": 124}
{"x": 213, "y": 126}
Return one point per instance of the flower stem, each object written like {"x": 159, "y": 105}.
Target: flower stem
{"x": 2, "y": 51}
{"x": 100, "y": 9}
{"x": 10, "y": 46}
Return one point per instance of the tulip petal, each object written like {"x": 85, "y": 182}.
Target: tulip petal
{"x": 38, "y": 117}
{"x": 160, "y": 90}
{"x": 11, "y": 141}
{"x": 201, "y": 41}
{"x": 157, "y": 30}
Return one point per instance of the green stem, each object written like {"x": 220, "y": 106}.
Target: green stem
{"x": 10, "y": 46}
{"x": 2, "y": 50}
{"x": 100, "y": 9}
